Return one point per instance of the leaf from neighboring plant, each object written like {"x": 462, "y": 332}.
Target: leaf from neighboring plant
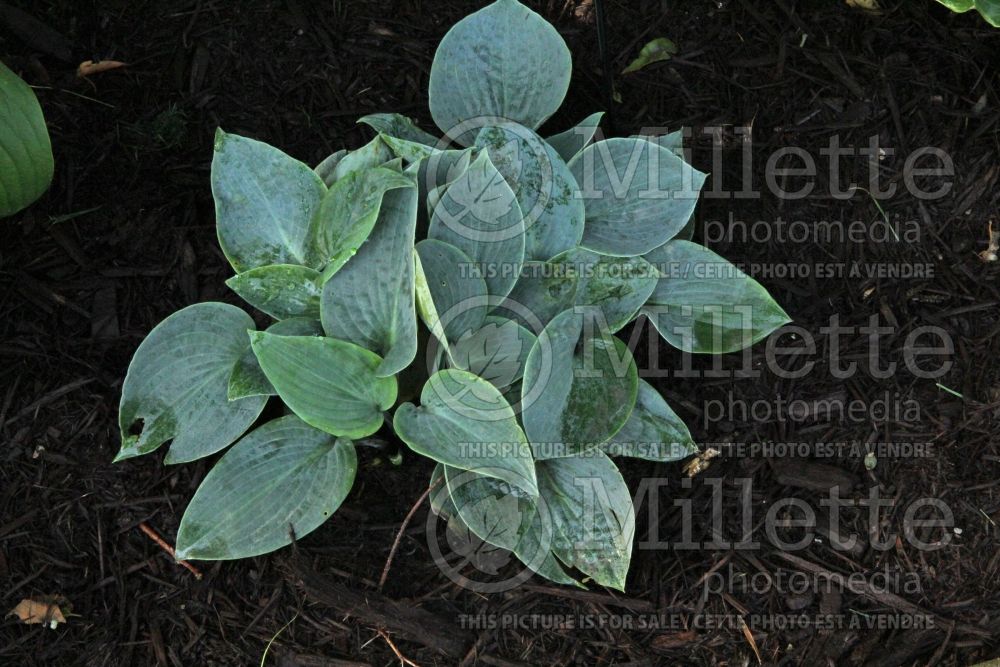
{"x": 26, "y": 163}
{"x": 399, "y": 126}
{"x": 653, "y": 431}
{"x": 504, "y": 61}
{"x": 655, "y": 51}
{"x": 479, "y": 215}
{"x": 578, "y": 388}
{"x": 543, "y": 290}
{"x": 451, "y": 294}
{"x": 372, "y": 154}
{"x": 464, "y": 421}
{"x": 247, "y": 378}
{"x": 619, "y": 286}
{"x": 326, "y": 168}
{"x": 637, "y": 195}
{"x": 704, "y": 304}
{"x": 573, "y": 140}
{"x": 280, "y": 290}
{"x": 331, "y": 384}
{"x": 990, "y": 11}
{"x": 264, "y": 202}
{"x": 505, "y": 516}
{"x": 546, "y": 192}
{"x": 276, "y": 485}
{"x": 592, "y": 515}
{"x": 496, "y": 352}
{"x": 177, "y": 385}
{"x": 370, "y": 301}
{"x": 346, "y": 216}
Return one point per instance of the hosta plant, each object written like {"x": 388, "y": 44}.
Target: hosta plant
{"x": 462, "y": 292}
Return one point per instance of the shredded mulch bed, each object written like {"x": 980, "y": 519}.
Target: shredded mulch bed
{"x": 126, "y": 236}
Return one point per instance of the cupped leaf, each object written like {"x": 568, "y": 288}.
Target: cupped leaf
{"x": 496, "y": 352}
{"x": 450, "y": 292}
{"x": 618, "y": 286}
{"x": 264, "y": 202}
{"x": 398, "y": 126}
{"x": 593, "y": 521}
{"x": 505, "y": 61}
{"x": 704, "y": 304}
{"x": 654, "y": 51}
{"x": 326, "y": 168}
{"x": 543, "y": 290}
{"x": 653, "y": 431}
{"x": 637, "y": 195}
{"x": 410, "y": 151}
{"x": 440, "y": 169}
{"x": 247, "y": 378}
{"x": 464, "y": 421}
{"x": 579, "y": 386}
{"x": 277, "y": 484}
{"x": 177, "y": 385}
{"x": 478, "y": 214}
{"x": 280, "y": 290}
{"x": 26, "y": 163}
{"x": 331, "y": 384}
{"x": 545, "y": 189}
{"x": 573, "y": 140}
{"x": 348, "y": 213}
{"x": 371, "y": 155}
{"x": 370, "y": 301}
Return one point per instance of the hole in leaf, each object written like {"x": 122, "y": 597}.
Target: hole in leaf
{"x": 135, "y": 428}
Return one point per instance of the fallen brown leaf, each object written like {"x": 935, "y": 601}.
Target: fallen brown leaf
{"x": 32, "y": 612}
{"x": 88, "y": 67}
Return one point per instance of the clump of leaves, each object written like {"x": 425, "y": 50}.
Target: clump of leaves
{"x": 493, "y": 266}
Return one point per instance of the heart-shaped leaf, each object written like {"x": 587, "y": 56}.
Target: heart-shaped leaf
{"x": 25, "y": 150}
{"x": 331, "y": 384}
{"x": 592, "y": 516}
{"x": 264, "y": 202}
{"x": 578, "y": 388}
{"x": 521, "y": 73}
{"x": 573, "y": 140}
{"x": 478, "y": 214}
{"x": 496, "y": 352}
{"x": 177, "y": 385}
{"x": 637, "y": 195}
{"x": 619, "y": 286}
{"x": 370, "y": 301}
{"x": 464, "y": 421}
{"x": 653, "y": 431}
{"x": 546, "y": 192}
{"x": 278, "y": 483}
{"x": 280, "y": 290}
{"x": 704, "y": 304}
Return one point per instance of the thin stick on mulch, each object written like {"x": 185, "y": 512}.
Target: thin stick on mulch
{"x": 402, "y": 529}
{"x": 153, "y": 535}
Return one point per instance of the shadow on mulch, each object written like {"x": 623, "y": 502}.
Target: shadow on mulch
{"x": 126, "y": 237}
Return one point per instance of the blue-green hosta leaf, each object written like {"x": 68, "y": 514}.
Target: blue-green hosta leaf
{"x": 331, "y": 384}
{"x": 705, "y": 304}
{"x": 653, "y": 431}
{"x": 398, "y": 126}
{"x": 411, "y": 151}
{"x": 264, "y": 202}
{"x": 593, "y": 522}
{"x": 505, "y": 61}
{"x": 25, "y": 150}
{"x": 451, "y": 295}
{"x": 176, "y": 386}
{"x": 579, "y": 386}
{"x": 479, "y": 215}
{"x": 505, "y": 516}
{"x": 674, "y": 142}
{"x": 247, "y": 378}
{"x": 573, "y": 140}
{"x": 370, "y": 301}
{"x": 619, "y": 286}
{"x": 439, "y": 170}
{"x": 372, "y": 154}
{"x": 496, "y": 352}
{"x": 326, "y": 168}
{"x": 348, "y": 213}
{"x": 464, "y": 421}
{"x": 545, "y": 189}
{"x": 544, "y": 290}
{"x": 279, "y": 483}
{"x": 280, "y": 290}
{"x": 655, "y": 51}
{"x": 637, "y": 195}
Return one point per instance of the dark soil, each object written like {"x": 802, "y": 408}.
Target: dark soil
{"x": 126, "y": 236}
